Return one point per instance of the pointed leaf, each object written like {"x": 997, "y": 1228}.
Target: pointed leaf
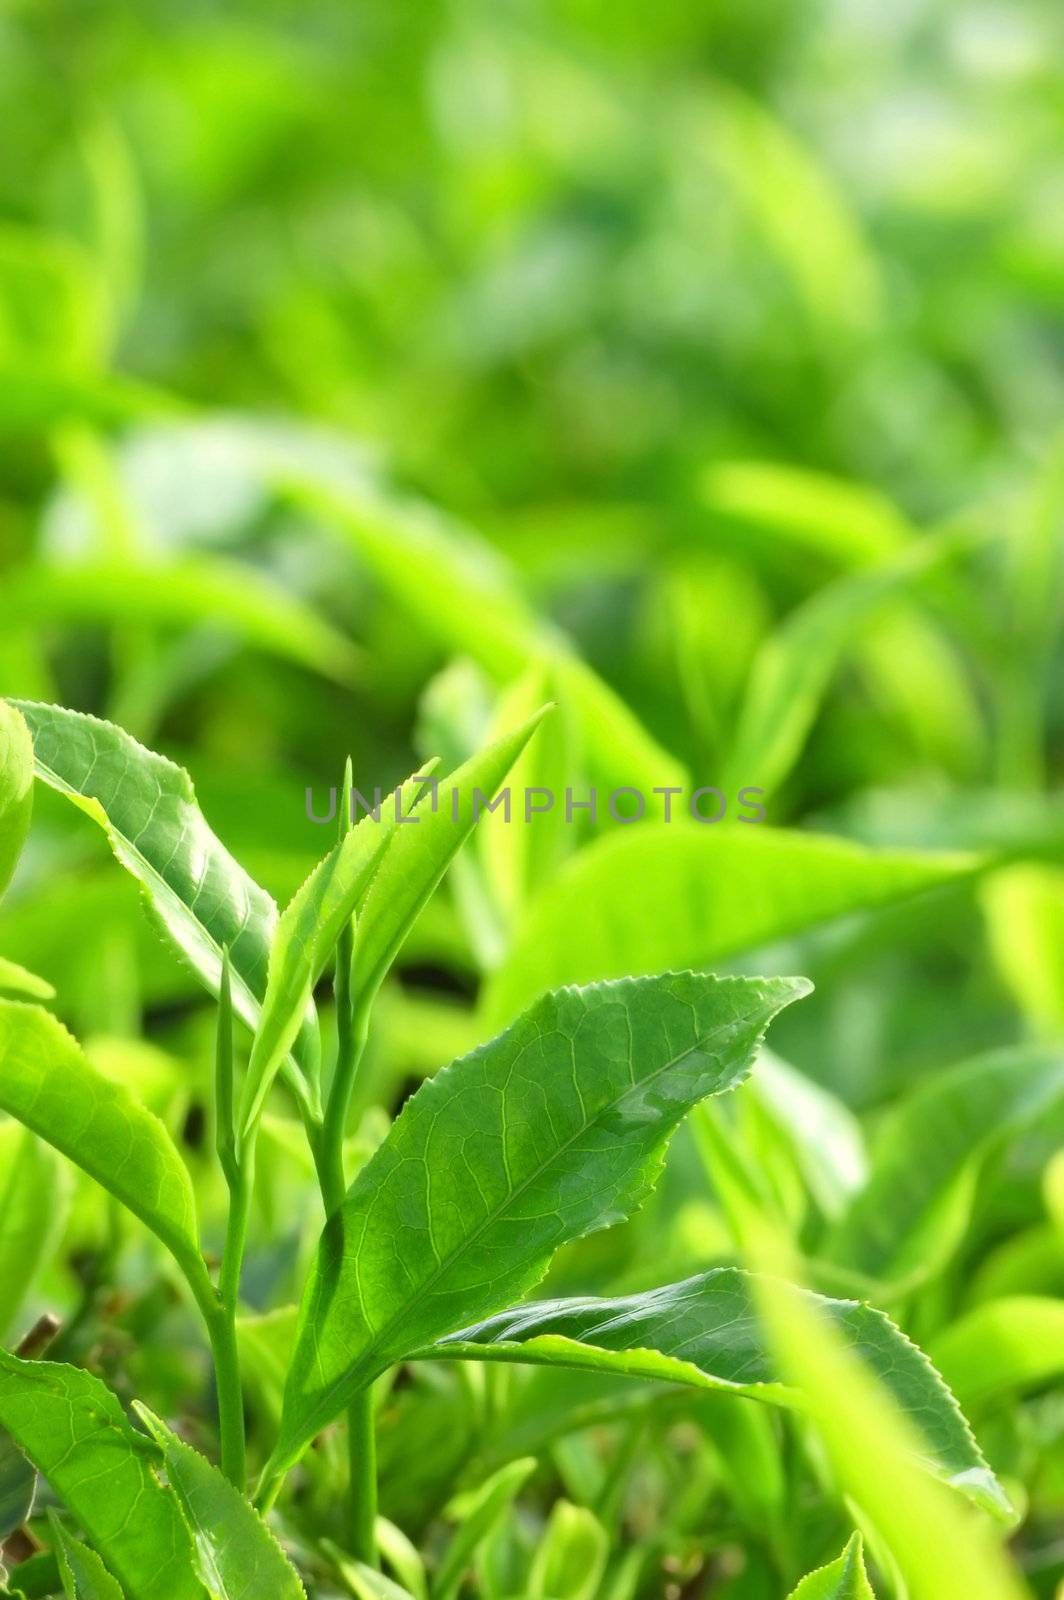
{"x": 16, "y": 788}
{"x": 706, "y": 1332}
{"x": 75, "y": 1433}
{"x": 669, "y": 895}
{"x": 33, "y": 1209}
{"x": 306, "y": 936}
{"x": 235, "y": 1554}
{"x": 553, "y": 1130}
{"x": 50, "y": 1087}
{"x": 203, "y": 900}
{"x": 844, "y": 1579}
{"x": 83, "y": 1573}
{"x": 421, "y": 851}
{"x": 910, "y": 1215}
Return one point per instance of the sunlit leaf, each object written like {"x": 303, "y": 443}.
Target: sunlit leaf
{"x": 553, "y": 1130}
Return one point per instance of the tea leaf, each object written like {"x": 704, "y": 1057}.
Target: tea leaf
{"x": 33, "y": 1208}
{"x": 571, "y": 1557}
{"x": 193, "y": 591}
{"x": 476, "y": 1512}
{"x": 667, "y": 896}
{"x": 1002, "y": 1346}
{"x": 908, "y": 1218}
{"x": 50, "y": 1087}
{"x": 234, "y": 1552}
{"x": 305, "y": 938}
{"x": 202, "y": 899}
{"x": 15, "y": 980}
{"x": 83, "y": 1573}
{"x": 553, "y": 1130}
{"x": 421, "y": 852}
{"x": 16, "y": 788}
{"x": 844, "y": 1579}
{"x": 706, "y": 1333}
{"x": 793, "y": 667}
{"x": 74, "y": 1431}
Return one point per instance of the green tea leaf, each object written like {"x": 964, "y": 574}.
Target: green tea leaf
{"x": 844, "y": 1579}
{"x": 16, "y": 788}
{"x": 477, "y": 1511}
{"x": 33, "y": 1207}
{"x": 18, "y": 1486}
{"x": 190, "y": 592}
{"x": 421, "y": 851}
{"x": 83, "y": 1573}
{"x": 50, "y": 1087}
{"x": 234, "y": 1552}
{"x": 201, "y": 898}
{"x": 1002, "y": 1346}
{"x": 706, "y": 1333}
{"x": 793, "y": 667}
{"x": 551, "y": 1131}
{"x": 571, "y": 1556}
{"x": 665, "y": 895}
{"x": 305, "y": 938}
{"x": 15, "y": 980}
{"x": 874, "y": 1453}
{"x": 908, "y": 1218}
{"x": 75, "y": 1433}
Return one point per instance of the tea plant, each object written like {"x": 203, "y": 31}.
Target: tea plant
{"x": 549, "y": 1131}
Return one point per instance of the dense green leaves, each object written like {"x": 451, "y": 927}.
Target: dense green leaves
{"x": 908, "y": 1217}
{"x": 670, "y": 895}
{"x": 706, "y": 1332}
{"x": 16, "y": 788}
{"x": 204, "y": 901}
{"x": 553, "y": 1130}
{"x": 843, "y": 1579}
{"x": 74, "y": 1431}
{"x": 49, "y": 1086}
{"x": 234, "y": 1553}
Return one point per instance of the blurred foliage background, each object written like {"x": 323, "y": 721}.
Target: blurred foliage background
{"x": 705, "y": 328}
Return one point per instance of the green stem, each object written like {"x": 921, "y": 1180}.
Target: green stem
{"x": 352, "y": 1022}
{"x": 222, "y": 1331}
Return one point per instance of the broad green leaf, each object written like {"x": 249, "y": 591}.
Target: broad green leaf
{"x": 18, "y": 1487}
{"x": 571, "y": 1557}
{"x": 551, "y": 1131}
{"x": 190, "y": 592}
{"x": 305, "y": 938}
{"x": 33, "y": 1205}
{"x": 706, "y": 1333}
{"x": 666, "y": 895}
{"x": 49, "y": 1086}
{"x": 234, "y": 1553}
{"x": 203, "y": 900}
{"x": 1002, "y": 1346}
{"x": 83, "y": 1573}
{"x": 844, "y": 1579}
{"x": 15, "y": 980}
{"x": 913, "y": 1210}
{"x": 874, "y": 1453}
{"x": 476, "y": 1511}
{"x": 16, "y": 788}
{"x": 75, "y": 1433}
{"x": 792, "y": 669}
{"x": 421, "y": 851}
